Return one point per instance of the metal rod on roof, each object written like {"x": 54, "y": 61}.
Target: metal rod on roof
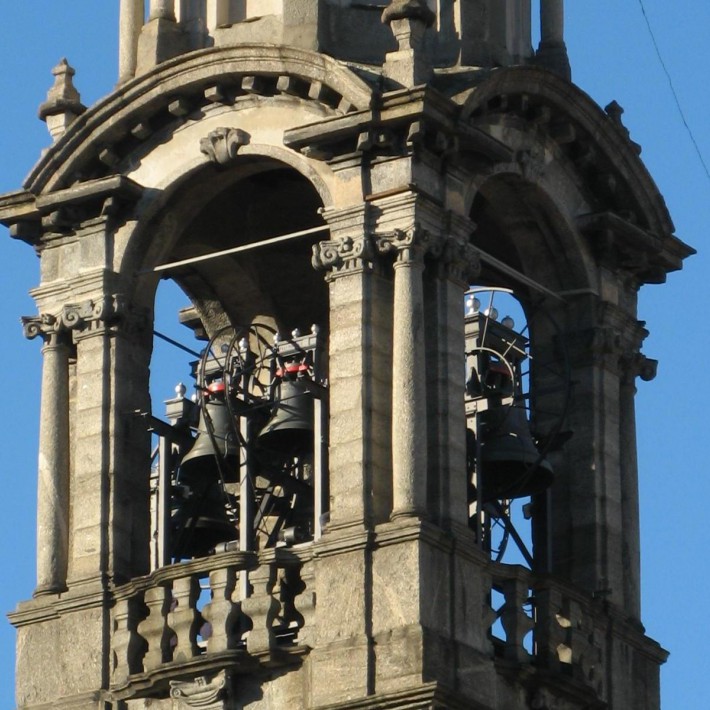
{"x": 236, "y": 250}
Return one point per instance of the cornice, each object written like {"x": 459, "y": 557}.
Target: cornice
{"x": 176, "y": 87}
{"x": 596, "y": 142}
{"x": 403, "y": 120}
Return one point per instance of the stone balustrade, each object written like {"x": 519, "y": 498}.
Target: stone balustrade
{"x": 197, "y": 615}
{"x": 568, "y": 627}
{"x": 233, "y": 608}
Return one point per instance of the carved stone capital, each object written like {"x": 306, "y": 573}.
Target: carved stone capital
{"x": 409, "y": 246}
{"x": 222, "y": 145}
{"x": 209, "y": 693}
{"x": 87, "y": 317}
{"x": 44, "y": 325}
{"x": 345, "y": 254}
{"x": 638, "y": 365}
{"x": 460, "y": 261}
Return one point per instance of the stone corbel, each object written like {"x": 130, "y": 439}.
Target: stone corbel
{"x": 222, "y": 145}
{"x": 208, "y": 693}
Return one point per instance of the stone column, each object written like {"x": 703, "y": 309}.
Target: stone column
{"x": 552, "y": 52}
{"x": 409, "y": 425}
{"x": 132, "y": 13}
{"x": 633, "y": 366}
{"x": 162, "y": 9}
{"x": 53, "y": 471}
{"x": 552, "y": 22}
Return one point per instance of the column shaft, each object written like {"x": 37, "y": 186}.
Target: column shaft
{"x": 53, "y": 473}
{"x": 552, "y": 22}
{"x": 409, "y": 433}
{"x": 631, "y": 553}
{"x": 162, "y": 9}
{"x": 132, "y": 13}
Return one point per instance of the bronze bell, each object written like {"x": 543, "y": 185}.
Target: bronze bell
{"x": 201, "y": 460}
{"x": 199, "y": 520}
{"x": 290, "y": 428}
{"x": 512, "y": 467}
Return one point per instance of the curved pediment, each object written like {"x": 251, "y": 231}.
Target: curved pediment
{"x": 97, "y": 141}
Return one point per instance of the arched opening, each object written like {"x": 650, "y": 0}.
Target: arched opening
{"x": 519, "y": 385}
{"x": 237, "y": 451}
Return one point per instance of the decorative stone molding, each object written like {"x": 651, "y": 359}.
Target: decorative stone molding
{"x": 205, "y": 692}
{"x": 222, "y": 145}
{"x": 461, "y": 261}
{"x": 343, "y": 254}
{"x": 45, "y": 326}
{"x": 410, "y": 65}
{"x": 409, "y": 9}
{"x": 409, "y": 245}
{"x": 88, "y": 316}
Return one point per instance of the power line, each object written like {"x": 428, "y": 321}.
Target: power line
{"x": 673, "y": 91}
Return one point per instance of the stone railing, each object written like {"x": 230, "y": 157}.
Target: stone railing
{"x": 568, "y": 627}
{"x": 235, "y": 608}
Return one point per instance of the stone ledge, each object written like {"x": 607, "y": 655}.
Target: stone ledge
{"x": 423, "y": 697}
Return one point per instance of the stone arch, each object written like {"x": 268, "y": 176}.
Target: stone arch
{"x": 99, "y": 140}
{"x": 208, "y": 211}
{"x": 520, "y": 223}
{"x": 595, "y": 143}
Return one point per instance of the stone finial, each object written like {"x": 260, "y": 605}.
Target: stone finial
{"x": 412, "y": 9}
{"x": 410, "y": 64}
{"x": 63, "y": 104}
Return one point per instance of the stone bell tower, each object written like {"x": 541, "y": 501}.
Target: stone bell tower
{"x": 384, "y": 494}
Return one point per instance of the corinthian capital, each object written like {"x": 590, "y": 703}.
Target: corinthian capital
{"x": 343, "y": 254}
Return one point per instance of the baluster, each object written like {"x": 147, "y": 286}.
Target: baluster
{"x": 222, "y": 613}
{"x": 516, "y": 623}
{"x": 551, "y": 629}
{"x": 154, "y": 628}
{"x": 306, "y": 605}
{"x": 585, "y": 651}
{"x": 128, "y": 646}
{"x": 262, "y": 608}
{"x": 184, "y": 619}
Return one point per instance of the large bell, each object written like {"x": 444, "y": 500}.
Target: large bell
{"x": 512, "y": 467}
{"x": 212, "y": 456}
{"x": 290, "y": 429}
{"x": 199, "y": 520}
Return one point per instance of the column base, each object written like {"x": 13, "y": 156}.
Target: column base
{"x": 553, "y": 56}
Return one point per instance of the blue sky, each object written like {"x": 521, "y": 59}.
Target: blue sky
{"x": 612, "y": 58}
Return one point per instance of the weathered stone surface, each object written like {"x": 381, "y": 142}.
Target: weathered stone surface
{"x": 510, "y": 178}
